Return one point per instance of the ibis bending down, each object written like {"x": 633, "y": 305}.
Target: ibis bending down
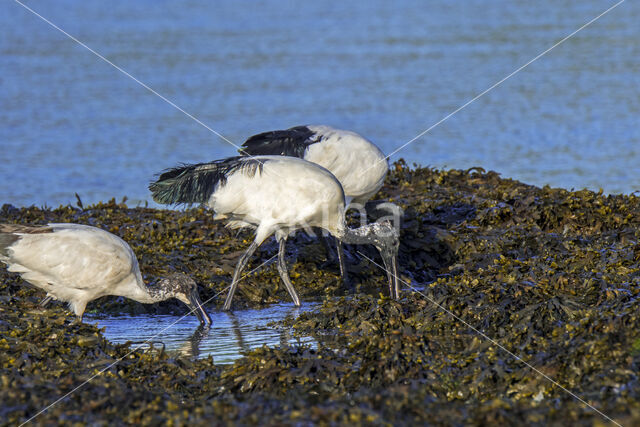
{"x": 78, "y": 263}
{"x": 356, "y": 162}
{"x": 274, "y": 194}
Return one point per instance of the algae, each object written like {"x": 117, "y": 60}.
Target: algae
{"x": 550, "y": 275}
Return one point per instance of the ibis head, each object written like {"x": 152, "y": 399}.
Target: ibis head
{"x": 183, "y": 288}
{"x": 385, "y": 237}
{"x": 389, "y": 244}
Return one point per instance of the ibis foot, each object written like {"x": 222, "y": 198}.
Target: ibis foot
{"x": 349, "y": 285}
{"x": 46, "y": 300}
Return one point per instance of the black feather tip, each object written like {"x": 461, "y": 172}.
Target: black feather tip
{"x": 290, "y": 142}
{"x": 187, "y": 184}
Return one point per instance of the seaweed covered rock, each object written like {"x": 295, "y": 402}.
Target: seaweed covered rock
{"x": 513, "y": 296}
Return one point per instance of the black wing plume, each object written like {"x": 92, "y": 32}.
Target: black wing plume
{"x": 290, "y": 142}
{"x": 195, "y": 183}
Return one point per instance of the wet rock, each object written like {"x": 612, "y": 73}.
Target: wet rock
{"x": 490, "y": 265}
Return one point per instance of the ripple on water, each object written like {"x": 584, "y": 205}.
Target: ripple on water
{"x": 231, "y": 333}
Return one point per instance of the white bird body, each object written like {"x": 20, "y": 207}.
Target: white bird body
{"x": 289, "y": 195}
{"x": 356, "y": 162}
{"x": 71, "y": 261}
{"x": 274, "y": 194}
{"x": 79, "y": 263}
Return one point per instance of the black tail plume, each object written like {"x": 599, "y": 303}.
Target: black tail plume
{"x": 290, "y": 142}
{"x": 195, "y": 183}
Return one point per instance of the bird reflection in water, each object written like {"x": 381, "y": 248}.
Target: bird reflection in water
{"x": 237, "y": 332}
{"x": 191, "y": 347}
{"x": 230, "y": 336}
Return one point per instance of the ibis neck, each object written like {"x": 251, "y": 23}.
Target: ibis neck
{"x": 158, "y": 293}
{"x": 358, "y": 236}
{"x": 135, "y": 289}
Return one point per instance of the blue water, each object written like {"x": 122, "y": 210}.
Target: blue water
{"x": 230, "y": 335}
{"x": 388, "y": 70}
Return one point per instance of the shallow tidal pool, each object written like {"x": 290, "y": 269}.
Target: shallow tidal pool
{"x": 230, "y": 334}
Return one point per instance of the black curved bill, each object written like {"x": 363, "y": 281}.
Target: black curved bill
{"x": 391, "y": 266}
{"x": 197, "y": 308}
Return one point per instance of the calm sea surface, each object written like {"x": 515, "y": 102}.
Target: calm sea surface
{"x": 70, "y": 123}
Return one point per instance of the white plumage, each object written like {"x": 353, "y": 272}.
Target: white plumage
{"x": 78, "y": 263}
{"x": 275, "y": 195}
{"x": 356, "y": 162}
{"x": 285, "y": 195}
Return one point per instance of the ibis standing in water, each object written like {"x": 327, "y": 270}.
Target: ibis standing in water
{"x": 274, "y": 194}
{"x": 78, "y": 263}
{"x": 356, "y": 162}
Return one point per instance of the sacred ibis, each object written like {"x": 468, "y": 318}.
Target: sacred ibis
{"x": 356, "y": 162}
{"x": 274, "y": 194}
{"x": 359, "y": 165}
{"x": 78, "y": 263}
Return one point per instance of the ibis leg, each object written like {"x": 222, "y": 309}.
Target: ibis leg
{"x": 236, "y": 274}
{"x": 46, "y": 300}
{"x": 333, "y": 255}
{"x": 326, "y": 242}
{"x": 343, "y": 265}
{"x": 284, "y": 274}
{"x": 78, "y": 307}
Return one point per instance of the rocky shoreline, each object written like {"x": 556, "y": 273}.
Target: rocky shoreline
{"x": 550, "y": 275}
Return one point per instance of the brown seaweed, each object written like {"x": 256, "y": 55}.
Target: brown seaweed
{"x": 548, "y": 274}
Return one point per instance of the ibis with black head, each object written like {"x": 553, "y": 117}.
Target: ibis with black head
{"x": 274, "y": 195}
{"x": 79, "y": 263}
{"x": 356, "y": 162}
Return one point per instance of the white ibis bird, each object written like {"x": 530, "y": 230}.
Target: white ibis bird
{"x": 359, "y": 165}
{"x": 274, "y": 194}
{"x": 78, "y": 263}
{"x": 356, "y": 162}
